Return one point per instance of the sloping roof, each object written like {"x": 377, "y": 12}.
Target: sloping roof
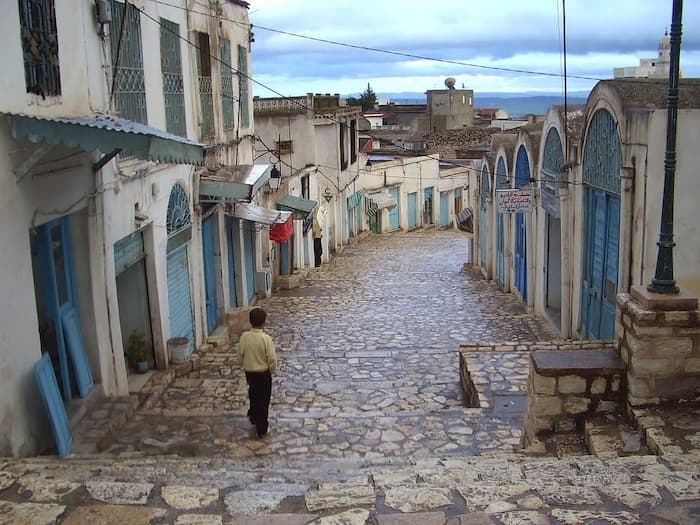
{"x": 647, "y": 93}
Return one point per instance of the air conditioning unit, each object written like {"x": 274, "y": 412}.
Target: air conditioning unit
{"x": 263, "y": 283}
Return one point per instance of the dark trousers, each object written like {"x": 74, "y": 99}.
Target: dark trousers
{"x": 259, "y": 393}
{"x": 318, "y": 250}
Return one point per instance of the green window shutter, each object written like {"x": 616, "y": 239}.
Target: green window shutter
{"x": 243, "y": 86}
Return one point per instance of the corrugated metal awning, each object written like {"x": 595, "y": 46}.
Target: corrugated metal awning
{"x": 255, "y": 213}
{"x": 232, "y": 183}
{"x": 299, "y": 205}
{"x": 108, "y": 134}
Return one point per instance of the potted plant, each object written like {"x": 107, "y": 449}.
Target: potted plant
{"x": 137, "y": 350}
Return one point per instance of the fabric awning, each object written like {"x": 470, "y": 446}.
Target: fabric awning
{"x": 299, "y": 205}
{"x": 232, "y": 183}
{"x": 255, "y": 213}
{"x": 465, "y": 220}
{"x": 383, "y": 200}
{"x": 108, "y": 134}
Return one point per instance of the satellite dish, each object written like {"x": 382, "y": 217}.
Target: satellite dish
{"x": 450, "y": 82}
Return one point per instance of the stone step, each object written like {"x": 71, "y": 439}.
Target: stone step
{"x": 612, "y": 435}
{"x": 511, "y": 488}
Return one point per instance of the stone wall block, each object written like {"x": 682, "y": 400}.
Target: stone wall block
{"x": 654, "y": 330}
{"x": 544, "y": 385}
{"x": 598, "y": 385}
{"x": 677, "y": 318}
{"x": 576, "y": 405}
{"x": 572, "y": 384}
{"x": 692, "y": 365}
{"x": 616, "y": 383}
{"x": 547, "y": 406}
{"x": 640, "y": 387}
{"x": 565, "y": 425}
{"x": 651, "y": 367}
{"x": 675, "y": 347}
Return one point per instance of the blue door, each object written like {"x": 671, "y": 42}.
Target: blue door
{"x": 232, "y": 226}
{"x": 602, "y": 162}
{"x": 209, "y": 257}
{"x": 59, "y": 327}
{"x": 51, "y": 396}
{"x": 395, "y": 214}
{"x": 285, "y": 268}
{"x": 484, "y": 226}
{"x": 444, "y": 210}
{"x": 427, "y": 206}
{"x": 600, "y": 278}
{"x": 249, "y": 255}
{"x": 179, "y": 295}
{"x": 412, "y": 210}
{"x": 522, "y": 178}
{"x": 500, "y": 251}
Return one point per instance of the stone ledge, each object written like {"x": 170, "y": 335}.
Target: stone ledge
{"x": 573, "y": 362}
{"x": 681, "y": 301}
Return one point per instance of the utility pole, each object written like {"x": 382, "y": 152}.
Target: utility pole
{"x": 663, "y": 281}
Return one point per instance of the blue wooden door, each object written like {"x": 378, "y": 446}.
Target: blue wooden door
{"x": 284, "y": 258}
{"x": 395, "y": 214}
{"x": 232, "y": 226}
{"x": 484, "y": 223}
{"x": 600, "y": 278}
{"x": 51, "y": 396}
{"x": 500, "y": 251}
{"x": 179, "y": 296}
{"x": 444, "y": 210}
{"x": 522, "y": 178}
{"x": 209, "y": 258}
{"x": 59, "y": 300}
{"x": 249, "y": 255}
{"x": 412, "y": 210}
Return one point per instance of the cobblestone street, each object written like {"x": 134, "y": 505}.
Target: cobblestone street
{"x": 368, "y": 420}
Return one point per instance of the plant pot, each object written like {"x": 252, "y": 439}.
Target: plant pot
{"x": 141, "y": 367}
{"x": 179, "y": 350}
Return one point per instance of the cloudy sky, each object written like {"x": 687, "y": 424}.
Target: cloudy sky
{"x": 478, "y": 42}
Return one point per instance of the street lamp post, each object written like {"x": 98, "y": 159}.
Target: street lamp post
{"x": 663, "y": 281}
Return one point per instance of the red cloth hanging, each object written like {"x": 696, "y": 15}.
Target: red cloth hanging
{"x": 282, "y": 232}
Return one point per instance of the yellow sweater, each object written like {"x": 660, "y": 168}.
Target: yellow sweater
{"x": 257, "y": 351}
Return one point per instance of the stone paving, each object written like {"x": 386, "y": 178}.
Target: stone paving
{"x": 368, "y": 420}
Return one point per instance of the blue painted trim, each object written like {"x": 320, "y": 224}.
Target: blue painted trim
{"x": 50, "y": 395}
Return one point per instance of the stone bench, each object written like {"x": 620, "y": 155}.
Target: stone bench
{"x": 566, "y": 387}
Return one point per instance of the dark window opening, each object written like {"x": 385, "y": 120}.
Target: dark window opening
{"x": 284, "y": 147}
{"x": 353, "y": 142}
{"x": 40, "y": 47}
{"x": 343, "y": 154}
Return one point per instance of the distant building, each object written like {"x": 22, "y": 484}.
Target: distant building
{"x": 658, "y": 67}
{"x": 449, "y": 108}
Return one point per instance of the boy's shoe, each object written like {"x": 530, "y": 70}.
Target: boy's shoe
{"x": 262, "y": 435}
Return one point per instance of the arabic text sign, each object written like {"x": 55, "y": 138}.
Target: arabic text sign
{"x": 515, "y": 201}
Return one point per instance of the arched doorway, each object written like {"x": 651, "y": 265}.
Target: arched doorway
{"x": 484, "y": 225}
{"x": 552, "y": 162}
{"x": 179, "y": 229}
{"x": 522, "y": 178}
{"x": 602, "y": 161}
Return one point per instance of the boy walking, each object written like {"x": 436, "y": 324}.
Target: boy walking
{"x": 257, "y": 352}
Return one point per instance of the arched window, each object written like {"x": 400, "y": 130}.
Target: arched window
{"x": 178, "y": 216}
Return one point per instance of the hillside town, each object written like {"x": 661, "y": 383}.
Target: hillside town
{"x": 498, "y": 274}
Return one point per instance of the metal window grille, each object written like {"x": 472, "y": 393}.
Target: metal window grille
{"x": 206, "y": 98}
{"x": 553, "y": 152}
{"x": 178, "y": 215}
{"x": 227, "y": 100}
{"x": 128, "y": 84}
{"x": 243, "y": 86}
{"x": 602, "y": 154}
{"x": 40, "y": 47}
{"x": 173, "y": 85}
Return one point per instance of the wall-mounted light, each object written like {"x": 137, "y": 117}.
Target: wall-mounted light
{"x": 327, "y": 195}
{"x": 275, "y": 178}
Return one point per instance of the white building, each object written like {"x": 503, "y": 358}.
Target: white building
{"x": 313, "y": 139}
{"x": 658, "y": 67}
{"x": 100, "y": 130}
